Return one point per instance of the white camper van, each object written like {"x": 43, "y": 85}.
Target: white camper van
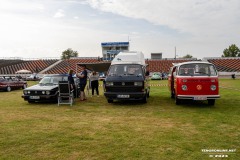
{"x": 126, "y": 78}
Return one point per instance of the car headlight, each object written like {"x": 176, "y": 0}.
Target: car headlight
{"x": 25, "y": 92}
{"x": 213, "y": 87}
{"x": 43, "y": 92}
{"x": 28, "y": 92}
{"x": 184, "y": 87}
{"x": 137, "y": 83}
{"x": 47, "y": 92}
{"x": 109, "y": 83}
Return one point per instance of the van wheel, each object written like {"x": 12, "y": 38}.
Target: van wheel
{"x": 144, "y": 100}
{"x": 110, "y": 101}
{"x": 148, "y": 95}
{"x": 211, "y": 102}
{"x": 8, "y": 89}
{"x": 172, "y": 94}
{"x": 177, "y": 101}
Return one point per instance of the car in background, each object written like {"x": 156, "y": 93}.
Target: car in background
{"x": 102, "y": 76}
{"x": 45, "y": 90}
{"x": 156, "y": 76}
{"x": 33, "y": 77}
{"x": 164, "y": 76}
{"x": 9, "y": 83}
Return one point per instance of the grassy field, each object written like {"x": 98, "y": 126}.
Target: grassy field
{"x": 94, "y": 129}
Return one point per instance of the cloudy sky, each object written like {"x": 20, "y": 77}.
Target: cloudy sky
{"x": 45, "y": 28}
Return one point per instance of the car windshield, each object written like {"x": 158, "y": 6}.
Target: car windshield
{"x": 197, "y": 69}
{"x": 125, "y": 69}
{"x": 49, "y": 80}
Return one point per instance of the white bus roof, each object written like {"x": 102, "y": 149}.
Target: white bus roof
{"x": 129, "y": 58}
{"x": 190, "y": 62}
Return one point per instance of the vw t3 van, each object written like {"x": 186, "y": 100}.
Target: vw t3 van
{"x": 126, "y": 78}
{"x": 196, "y": 81}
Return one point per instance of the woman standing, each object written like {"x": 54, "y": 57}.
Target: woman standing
{"x": 83, "y": 81}
{"x": 94, "y": 82}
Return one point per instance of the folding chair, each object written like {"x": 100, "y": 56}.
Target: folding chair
{"x": 65, "y": 95}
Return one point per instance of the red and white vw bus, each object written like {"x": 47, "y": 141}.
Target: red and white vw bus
{"x": 195, "y": 80}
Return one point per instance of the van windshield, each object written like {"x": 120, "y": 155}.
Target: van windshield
{"x": 125, "y": 70}
{"x": 197, "y": 69}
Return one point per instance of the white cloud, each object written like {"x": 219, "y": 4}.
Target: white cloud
{"x": 23, "y": 7}
{"x": 59, "y": 14}
{"x": 197, "y": 27}
{"x": 197, "y": 17}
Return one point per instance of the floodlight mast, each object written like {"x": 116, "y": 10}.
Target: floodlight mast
{"x": 175, "y": 52}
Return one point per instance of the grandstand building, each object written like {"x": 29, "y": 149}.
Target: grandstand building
{"x": 111, "y": 49}
{"x": 156, "y": 55}
{"x": 225, "y": 66}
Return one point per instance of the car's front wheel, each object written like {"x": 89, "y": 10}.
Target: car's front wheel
{"x": 110, "y": 101}
{"x": 8, "y": 89}
{"x": 24, "y": 86}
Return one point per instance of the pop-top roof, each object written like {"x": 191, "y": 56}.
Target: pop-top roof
{"x": 129, "y": 58}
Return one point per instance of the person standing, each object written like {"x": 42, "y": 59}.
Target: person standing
{"x": 71, "y": 82}
{"x": 83, "y": 82}
{"x": 94, "y": 82}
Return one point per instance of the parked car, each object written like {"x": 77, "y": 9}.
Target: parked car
{"x": 156, "y": 76}
{"x": 164, "y": 76}
{"x": 10, "y": 83}
{"x": 46, "y": 90}
{"x": 102, "y": 76}
{"x": 196, "y": 81}
{"x": 33, "y": 77}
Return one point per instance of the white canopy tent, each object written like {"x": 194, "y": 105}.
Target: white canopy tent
{"x": 23, "y": 71}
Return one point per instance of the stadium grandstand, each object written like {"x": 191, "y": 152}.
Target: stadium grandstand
{"x": 9, "y": 66}
{"x": 163, "y": 65}
{"x": 226, "y": 64}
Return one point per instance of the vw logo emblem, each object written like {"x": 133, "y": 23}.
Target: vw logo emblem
{"x": 199, "y": 87}
{"x": 123, "y": 83}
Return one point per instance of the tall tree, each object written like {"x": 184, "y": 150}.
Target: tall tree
{"x": 67, "y": 54}
{"x": 187, "y": 56}
{"x": 231, "y": 51}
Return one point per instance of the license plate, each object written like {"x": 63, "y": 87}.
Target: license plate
{"x": 34, "y": 97}
{"x": 123, "y": 96}
{"x": 199, "y": 98}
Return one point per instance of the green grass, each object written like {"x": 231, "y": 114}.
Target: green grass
{"x": 94, "y": 129}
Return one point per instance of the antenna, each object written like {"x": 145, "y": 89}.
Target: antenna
{"x": 129, "y": 39}
{"x": 129, "y": 42}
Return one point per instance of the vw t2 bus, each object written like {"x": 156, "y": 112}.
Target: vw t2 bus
{"x": 195, "y": 80}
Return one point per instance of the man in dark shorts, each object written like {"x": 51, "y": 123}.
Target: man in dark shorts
{"x": 83, "y": 82}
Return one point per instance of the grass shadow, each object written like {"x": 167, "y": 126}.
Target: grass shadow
{"x": 195, "y": 104}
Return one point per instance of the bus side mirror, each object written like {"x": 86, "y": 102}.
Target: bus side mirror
{"x": 174, "y": 74}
